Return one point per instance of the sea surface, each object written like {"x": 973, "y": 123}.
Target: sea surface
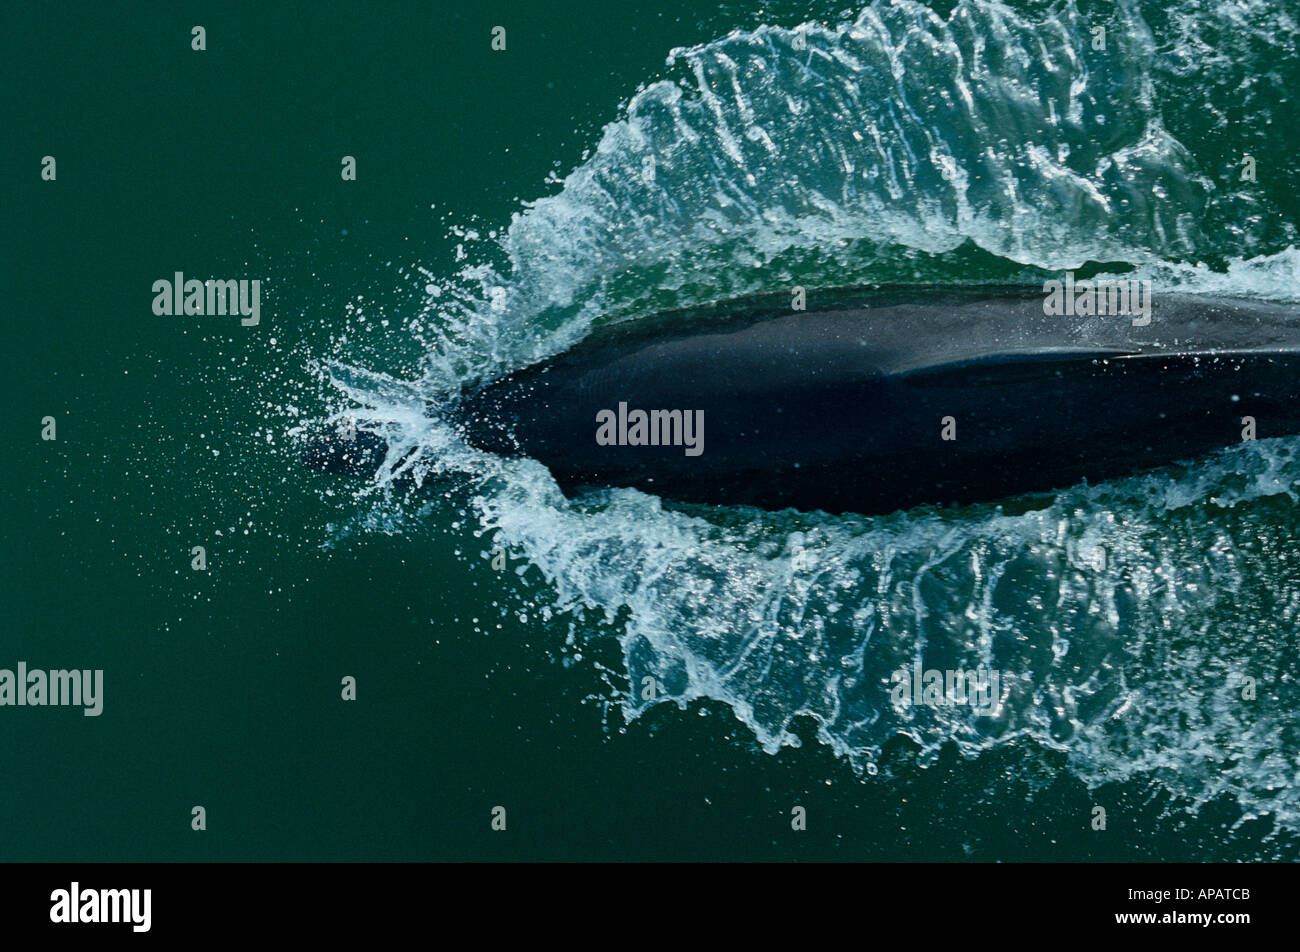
{"x": 612, "y": 162}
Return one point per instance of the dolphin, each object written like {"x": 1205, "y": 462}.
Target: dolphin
{"x": 885, "y": 399}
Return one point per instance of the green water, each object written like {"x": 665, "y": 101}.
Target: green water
{"x": 222, "y": 687}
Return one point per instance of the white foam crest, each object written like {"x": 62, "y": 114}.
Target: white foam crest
{"x": 915, "y": 133}
{"x": 1104, "y": 615}
{"x": 1274, "y": 277}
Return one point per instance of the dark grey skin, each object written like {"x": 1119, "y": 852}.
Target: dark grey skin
{"x": 843, "y": 408}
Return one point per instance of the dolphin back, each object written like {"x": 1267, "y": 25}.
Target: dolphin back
{"x": 896, "y": 399}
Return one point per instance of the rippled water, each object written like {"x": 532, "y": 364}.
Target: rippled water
{"x": 1127, "y": 619}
